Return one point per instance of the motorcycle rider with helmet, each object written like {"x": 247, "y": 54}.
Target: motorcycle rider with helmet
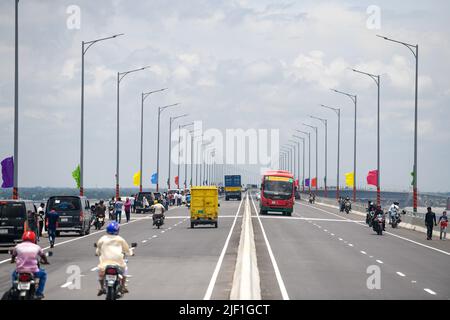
{"x": 347, "y": 201}
{"x": 379, "y": 211}
{"x": 111, "y": 249}
{"x": 158, "y": 210}
{"x": 393, "y": 211}
{"x": 26, "y": 255}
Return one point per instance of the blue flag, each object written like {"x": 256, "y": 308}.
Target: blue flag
{"x": 8, "y": 172}
{"x": 307, "y": 182}
{"x": 154, "y": 178}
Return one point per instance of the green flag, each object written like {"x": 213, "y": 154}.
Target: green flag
{"x": 76, "y": 175}
{"x": 413, "y": 178}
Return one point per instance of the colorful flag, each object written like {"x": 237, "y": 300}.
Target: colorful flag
{"x": 154, "y": 178}
{"x": 314, "y": 182}
{"x": 296, "y": 183}
{"x": 176, "y": 181}
{"x": 307, "y": 182}
{"x": 349, "y": 179}
{"x": 413, "y": 178}
{"x": 372, "y": 178}
{"x": 76, "y": 175}
{"x": 8, "y": 172}
{"x": 137, "y": 178}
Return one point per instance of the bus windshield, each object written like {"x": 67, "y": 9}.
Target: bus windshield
{"x": 278, "y": 189}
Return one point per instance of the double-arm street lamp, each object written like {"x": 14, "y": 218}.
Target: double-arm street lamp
{"x": 120, "y": 76}
{"x": 143, "y": 97}
{"x": 338, "y": 113}
{"x": 325, "y": 122}
{"x": 160, "y": 110}
{"x": 354, "y": 98}
{"x": 376, "y": 79}
{"x": 85, "y": 45}
{"x": 415, "y": 51}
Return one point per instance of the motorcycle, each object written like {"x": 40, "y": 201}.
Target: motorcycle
{"x": 378, "y": 224}
{"x": 24, "y": 286}
{"x": 99, "y": 222}
{"x": 114, "y": 279}
{"x": 396, "y": 219}
{"x": 348, "y": 207}
{"x": 158, "y": 221}
{"x": 369, "y": 218}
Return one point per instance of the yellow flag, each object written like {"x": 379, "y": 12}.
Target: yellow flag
{"x": 137, "y": 178}
{"x": 349, "y": 179}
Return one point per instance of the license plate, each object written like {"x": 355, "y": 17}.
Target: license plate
{"x": 24, "y": 286}
{"x": 3, "y": 231}
{"x": 110, "y": 277}
{"x": 64, "y": 219}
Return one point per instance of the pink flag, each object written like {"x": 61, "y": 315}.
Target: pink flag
{"x": 372, "y": 178}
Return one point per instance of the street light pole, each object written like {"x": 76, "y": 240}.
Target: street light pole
{"x": 325, "y": 122}
{"x": 172, "y": 119}
{"x": 143, "y": 97}
{"x": 303, "y": 142}
{"x": 308, "y": 134}
{"x": 160, "y": 109}
{"x": 316, "y": 130}
{"x": 16, "y": 104}
{"x": 376, "y": 79}
{"x": 120, "y": 76}
{"x": 354, "y": 98}
{"x": 84, "y": 49}
{"x": 338, "y": 112}
{"x": 185, "y": 158}
{"x": 416, "y": 56}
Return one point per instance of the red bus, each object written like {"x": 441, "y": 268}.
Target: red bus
{"x": 277, "y": 192}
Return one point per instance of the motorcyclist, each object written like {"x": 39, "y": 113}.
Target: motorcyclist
{"x": 26, "y": 255}
{"x": 379, "y": 211}
{"x": 100, "y": 211}
{"x": 111, "y": 249}
{"x": 370, "y": 208}
{"x": 158, "y": 210}
{"x": 393, "y": 211}
{"x": 348, "y": 202}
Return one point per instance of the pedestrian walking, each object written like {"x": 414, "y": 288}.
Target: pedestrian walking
{"x": 430, "y": 218}
{"x": 127, "y": 207}
{"x": 443, "y": 223}
{"x": 41, "y": 214}
{"x": 51, "y": 221}
{"x": 118, "y": 210}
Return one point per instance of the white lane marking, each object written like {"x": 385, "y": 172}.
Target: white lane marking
{"x": 155, "y": 236}
{"x": 340, "y": 239}
{"x": 401, "y": 274}
{"x": 430, "y": 291}
{"x": 79, "y": 238}
{"x": 163, "y": 231}
{"x": 94, "y": 269}
{"x": 392, "y": 234}
{"x": 325, "y": 230}
{"x": 363, "y": 252}
{"x": 144, "y": 241}
{"x": 370, "y": 256}
{"x": 170, "y": 228}
{"x": 379, "y": 261}
{"x": 413, "y": 281}
{"x": 65, "y": 285}
{"x": 350, "y": 245}
{"x": 332, "y": 234}
{"x": 319, "y": 227}
{"x": 212, "y": 282}
{"x": 283, "y": 290}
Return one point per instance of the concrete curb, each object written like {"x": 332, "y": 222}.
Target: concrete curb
{"x": 246, "y": 280}
{"x": 401, "y": 225}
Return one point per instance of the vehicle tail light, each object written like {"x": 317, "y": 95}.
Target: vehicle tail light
{"x": 24, "y": 277}
{"x": 111, "y": 271}
{"x": 81, "y": 216}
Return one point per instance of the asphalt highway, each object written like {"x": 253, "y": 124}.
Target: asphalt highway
{"x": 317, "y": 253}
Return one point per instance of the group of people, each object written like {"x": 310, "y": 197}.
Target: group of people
{"x": 430, "y": 222}
{"x": 40, "y": 222}
{"x": 117, "y": 207}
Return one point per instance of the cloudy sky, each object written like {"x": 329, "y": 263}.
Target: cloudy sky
{"x": 232, "y": 64}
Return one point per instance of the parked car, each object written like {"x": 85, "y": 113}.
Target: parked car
{"x": 75, "y": 213}
{"x": 14, "y": 220}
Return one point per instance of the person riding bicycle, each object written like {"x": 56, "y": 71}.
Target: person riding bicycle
{"x": 111, "y": 249}
{"x": 26, "y": 255}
